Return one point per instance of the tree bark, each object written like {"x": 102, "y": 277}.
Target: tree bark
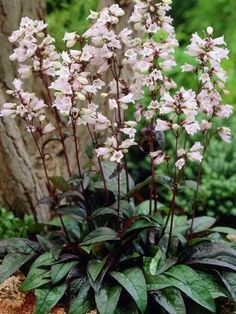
{"x": 20, "y": 189}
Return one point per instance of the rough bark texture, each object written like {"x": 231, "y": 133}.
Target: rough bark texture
{"x": 19, "y": 186}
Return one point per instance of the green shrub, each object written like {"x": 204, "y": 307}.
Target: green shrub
{"x": 12, "y": 226}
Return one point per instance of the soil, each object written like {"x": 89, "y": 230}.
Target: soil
{"x": 13, "y": 301}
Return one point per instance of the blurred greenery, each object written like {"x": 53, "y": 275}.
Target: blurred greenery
{"x": 218, "y": 185}
{"x": 12, "y": 226}
{"x": 68, "y": 15}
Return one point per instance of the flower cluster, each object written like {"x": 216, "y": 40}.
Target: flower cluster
{"x": 78, "y": 76}
{"x": 33, "y": 45}
{"x": 29, "y": 108}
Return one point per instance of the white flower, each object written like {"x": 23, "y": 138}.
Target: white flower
{"x": 159, "y": 157}
{"x": 117, "y": 156}
{"x": 70, "y": 39}
{"x": 113, "y": 104}
{"x": 195, "y": 152}
{"x": 225, "y": 134}
{"x": 180, "y": 163}
{"x": 127, "y": 99}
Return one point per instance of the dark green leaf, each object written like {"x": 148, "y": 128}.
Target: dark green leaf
{"x": 188, "y": 281}
{"x": 11, "y": 263}
{"x": 81, "y": 304}
{"x": 76, "y": 211}
{"x": 107, "y": 299}
{"x": 104, "y": 211}
{"x": 100, "y": 235}
{"x": 171, "y": 300}
{"x": 47, "y": 298}
{"x": 36, "y": 278}
{"x": 134, "y": 283}
{"x": 229, "y": 279}
{"x": 216, "y": 290}
{"x": 142, "y": 224}
{"x": 201, "y": 223}
{"x": 89, "y": 151}
{"x": 60, "y": 183}
{"x": 43, "y": 260}
{"x": 59, "y": 271}
{"x": 18, "y": 245}
{"x": 95, "y": 267}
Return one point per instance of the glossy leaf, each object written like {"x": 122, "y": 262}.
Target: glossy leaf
{"x": 171, "y": 300}
{"x": 133, "y": 281}
{"x": 11, "y": 263}
{"x": 81, "y": 304}
{"x": 36, "y": 278}
{"x": 229, "y": 279}
{"x": 201, "y": 223}
{"x": 100, "y": 235}
{"x": 95, "y": 267}
{"x": 188, "y": 281}
{"x": 59, "y": 271}
{"x": 47, "y": 298}
{"x": 45, "y": 259}
{"x": 107, "y": 299}
{"x": 76, "y": 211}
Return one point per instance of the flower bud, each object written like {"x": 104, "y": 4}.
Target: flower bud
{"x": 104, "y": 95}
{"x": 209, "y": 30}
{"x": 167, "y": 1}
{"x": 80, "y": 96}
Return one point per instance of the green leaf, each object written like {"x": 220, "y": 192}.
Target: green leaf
{"x": 76, "y": 211}
{"x": 11, "y": 263}
{"x": 155, "y": 262}
{"x": 134, "y": 283}
{"x": 171, "y": 300}
{"x": 47, "y": 298}
{"x": 81, "y": 304}
{"x": 201, "y": 223}
{"x": 89, "y": 151}
{"x": 225, "y": 230}
{"x": 216, "y": 290}
{"x": 36, "y": 277}
{"x": 142, "y": 224}
{"x": 60, "y": 270}
{"x": 19, "y": 245}
{"x": 158, "y": 282}
{"x": 95, "y": 267}
{"x": 60, "y": 183}
{"x": 104, "y": 211}
{"x": 185, "y": 279}
{"x": 43, "y": 260}
{"x": 229, "y": 279}
{"x": 101, "y": 234}
{"x": 188, "y": 281}
{"x": 107, "y": 299}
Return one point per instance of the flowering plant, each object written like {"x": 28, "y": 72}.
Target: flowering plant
{"x": 99, "y": 219}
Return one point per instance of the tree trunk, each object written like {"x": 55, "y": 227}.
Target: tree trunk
{"x": 20, "y": 189}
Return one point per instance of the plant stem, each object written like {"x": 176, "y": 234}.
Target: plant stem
{"x": 78, "y": 164}
{"x": 118, "y": 193}
{"x": 58, "y": 122}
